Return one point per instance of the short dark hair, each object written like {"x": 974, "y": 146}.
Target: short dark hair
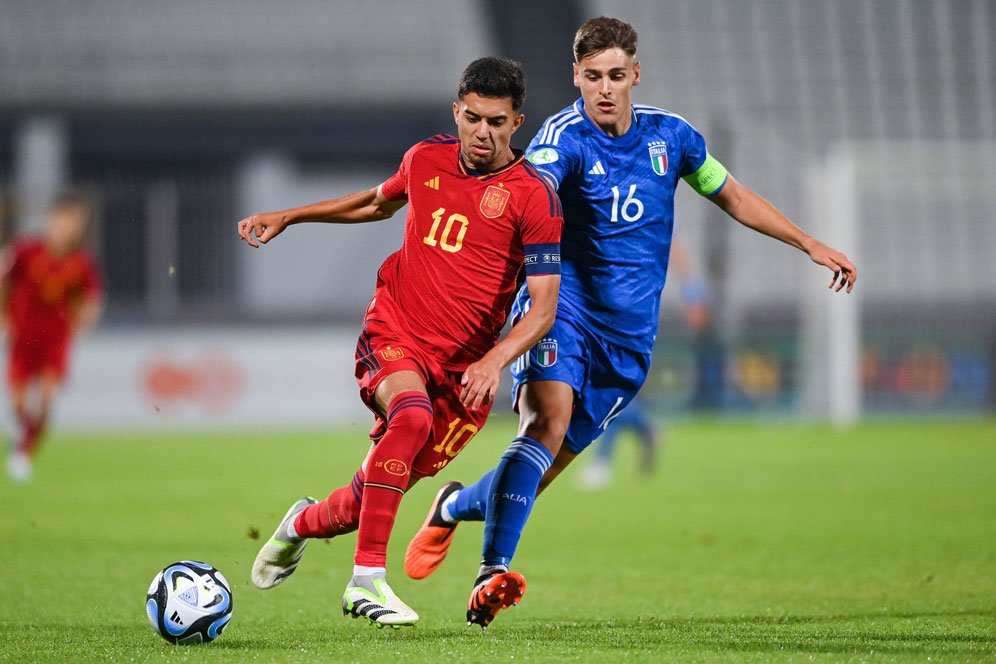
{"x": 602, "y": 33}
{"x": 496, "y": 78}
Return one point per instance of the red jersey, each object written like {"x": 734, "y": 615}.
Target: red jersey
{"x": 45, "y": 289}
{"x": 468, "y": 236}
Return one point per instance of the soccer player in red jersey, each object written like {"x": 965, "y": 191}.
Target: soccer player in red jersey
{"x": 428, "y": 359}
{"x": 50, "y": 291}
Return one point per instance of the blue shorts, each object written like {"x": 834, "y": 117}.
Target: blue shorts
{"x": 604, "y": 375}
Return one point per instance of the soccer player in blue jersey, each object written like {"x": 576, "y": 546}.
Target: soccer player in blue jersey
{"x": 616, "y": 166}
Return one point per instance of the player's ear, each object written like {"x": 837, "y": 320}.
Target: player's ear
{"x": 577, "y": 74}
{"x": 636, "y": 74}
{"x": 456, "y": 112}
{"x": 517, "y": 122}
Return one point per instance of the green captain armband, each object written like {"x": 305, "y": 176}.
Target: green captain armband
{"x": 710, "y": 177}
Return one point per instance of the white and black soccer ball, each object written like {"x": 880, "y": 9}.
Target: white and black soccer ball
{"x": 189, "y": 602}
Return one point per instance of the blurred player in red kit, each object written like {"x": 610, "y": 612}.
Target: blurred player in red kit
{"x": 51, "y": 291}
{"x": 428, "y": 359}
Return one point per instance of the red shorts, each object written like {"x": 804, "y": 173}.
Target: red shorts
{"x": 385, "y": 347}
{"x": 30, "y": 358}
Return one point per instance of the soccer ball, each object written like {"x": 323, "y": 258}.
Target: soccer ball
{"x": 189, "y": 602}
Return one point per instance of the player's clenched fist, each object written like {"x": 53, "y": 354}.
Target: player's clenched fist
{"x": 265, "y": 226}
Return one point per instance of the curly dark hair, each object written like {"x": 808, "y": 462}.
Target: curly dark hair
{"x": 496, "y": 78}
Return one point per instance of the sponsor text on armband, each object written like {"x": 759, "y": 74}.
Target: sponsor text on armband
{"x": 542, "y": 259}
{"x": 709, "y": 178}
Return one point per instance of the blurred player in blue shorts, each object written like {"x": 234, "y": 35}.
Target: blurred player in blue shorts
{"x": 616, "y": 167}
{"x": 597, "y": 473}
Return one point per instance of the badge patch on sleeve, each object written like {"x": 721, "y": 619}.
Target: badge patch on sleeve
{"x": 546, "y": 353}
{"x": 544, "y": 156}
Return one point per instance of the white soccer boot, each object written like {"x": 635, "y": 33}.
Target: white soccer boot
{"x": 380, "y": 605}
{"x": 280, "y": 556}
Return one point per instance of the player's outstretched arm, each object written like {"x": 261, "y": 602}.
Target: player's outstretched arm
{"x": 88, "y": 314}
{"x": 356, "y": 208}
{"x": 753, "y": 211}
{"x": 7, "y": 260}
{"x": 481, "y": 378}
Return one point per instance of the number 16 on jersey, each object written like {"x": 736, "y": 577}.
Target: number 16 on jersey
{"x": 632, "y": 207}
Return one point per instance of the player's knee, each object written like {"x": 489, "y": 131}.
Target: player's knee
{"x": 545, "y": 411}
{"x": 548, "y": 428}
{"x": 413, "y": 415}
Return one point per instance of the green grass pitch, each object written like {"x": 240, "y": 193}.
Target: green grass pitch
{"x": 754, "y": 541}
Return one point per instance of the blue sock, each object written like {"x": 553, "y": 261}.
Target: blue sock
{"x": 513, "y": 491}
{"x": 471, "y": 501}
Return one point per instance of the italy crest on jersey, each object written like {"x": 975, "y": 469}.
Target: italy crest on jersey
{"x": 546, "y": 352}
{"x": 494, "y": 201}
{"x": 658, "y": 156}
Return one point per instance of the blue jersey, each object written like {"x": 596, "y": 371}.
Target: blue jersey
{"x": 618, "y": 200}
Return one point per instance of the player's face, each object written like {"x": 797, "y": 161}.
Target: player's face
{"x": 66, "y": 228}
{"x": 606, "y": 80}
{"x": 485, "y": 126}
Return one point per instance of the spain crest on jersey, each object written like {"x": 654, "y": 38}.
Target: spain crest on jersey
{"x": 658, "y": 156}
{"x": 494, "y": 201}
{"x": 546, "y": 352}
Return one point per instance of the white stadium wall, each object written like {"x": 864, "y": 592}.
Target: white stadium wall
{"x": 212, "y": 377}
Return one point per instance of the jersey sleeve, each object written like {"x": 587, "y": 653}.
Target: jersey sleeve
{"x": 693, "y": 149}
{"x": 541, "y": 225}
{"x": 8, "y": 261}
{"x": 699, "y": 169}
{"x": 554, "y": 154}
{"x": 396, "y": 186}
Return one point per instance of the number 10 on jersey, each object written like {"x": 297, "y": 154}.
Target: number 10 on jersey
{"x": 444, "y": 241}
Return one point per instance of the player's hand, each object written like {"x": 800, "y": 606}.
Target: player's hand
{"x": 480, "y": 383}
{"x": 844, "y": 272}
{"x": 266, "y": 226}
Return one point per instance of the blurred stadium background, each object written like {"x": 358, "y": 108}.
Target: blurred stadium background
{"x": 871, "y": 123}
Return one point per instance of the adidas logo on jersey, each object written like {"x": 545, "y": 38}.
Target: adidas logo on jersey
{"x": 433, "y": 183}
{"x": 597, "y": 169}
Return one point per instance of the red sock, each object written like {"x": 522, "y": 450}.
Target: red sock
{"x": 31, "y": 431}
{"x": 389, "y": 474}
{"x": 336, "y": 515}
